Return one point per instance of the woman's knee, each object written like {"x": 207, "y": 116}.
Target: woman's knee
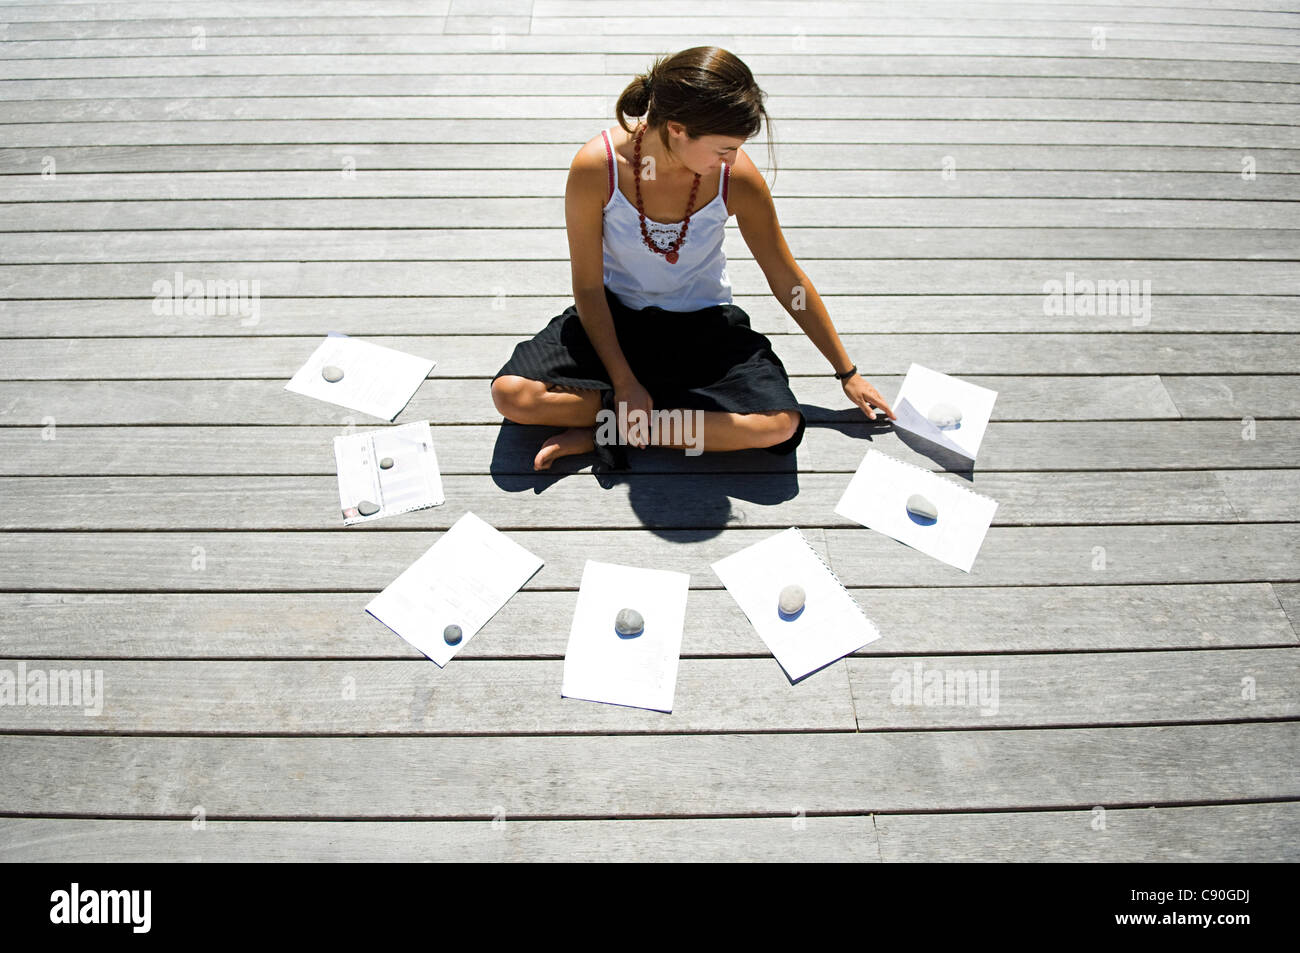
{"x": 514, "y": 396}
{"x": 779, "y": 426}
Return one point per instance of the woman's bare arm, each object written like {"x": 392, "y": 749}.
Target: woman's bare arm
{"x": 751, "y": 201}
{"x": 585, "y": 194}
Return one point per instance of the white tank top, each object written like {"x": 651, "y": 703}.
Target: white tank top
{"x": 642, "y": 278}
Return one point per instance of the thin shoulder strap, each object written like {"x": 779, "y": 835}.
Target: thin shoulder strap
{"x": 609, "y": 161}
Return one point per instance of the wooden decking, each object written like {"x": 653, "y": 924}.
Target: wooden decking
{"x": 170, "y": 512}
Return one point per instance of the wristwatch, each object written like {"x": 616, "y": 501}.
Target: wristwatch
{"x": 847, "y": 374}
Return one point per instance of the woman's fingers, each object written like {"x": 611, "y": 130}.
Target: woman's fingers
{"x": 867, "y": 398}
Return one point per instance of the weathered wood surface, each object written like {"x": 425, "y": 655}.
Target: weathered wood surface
{"x": 667, "y": 501}
{"x": 796, "y": 212}
{"x": 523, "y": 244}
{"x": 853, "y": 314}
{"x": 483, "y": 355}
{"x": 835, "y": 276}
{"x": 457, "y": 401}
{"x": 205, "y": 561}
{"x": 171, "y": 512}
{"x": 1240, "y": 833}
{"x": 743, "y": 695}
{"x": 507, "y": 450}
{"x": 251, "y": 625}
{"x": 648, "y": 776}
{"x": 1237, "y": 833}
{"x": 796, "y": 837}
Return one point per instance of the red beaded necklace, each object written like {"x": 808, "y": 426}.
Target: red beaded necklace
{"x": 670, "y": 252}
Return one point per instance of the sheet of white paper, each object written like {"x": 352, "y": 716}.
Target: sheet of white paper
{"x": 877, "y": 498}
{"x": 413, "y": 482}
{"x": 832, "y": 623}
{"x": 463, "y": 579}
{"x": 376, "y": 380}
{"x": 923, "y": 389}
{"x": 602, "y": 666}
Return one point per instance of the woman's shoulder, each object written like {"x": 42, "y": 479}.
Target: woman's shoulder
{"x": 590, "y": 166}
{"x": 592, "y": 154}
{"x": 746, "y": 185}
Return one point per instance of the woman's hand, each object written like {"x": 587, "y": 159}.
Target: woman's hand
{"x": 635, "y": 397}
{"x": 865, "y": 396}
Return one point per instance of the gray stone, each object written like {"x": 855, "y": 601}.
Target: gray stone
{"x": 366, "y": 508}
{"x": 944, "y": 416}
{"x": 918, "y": 505}
{"x": 629, "y": 622}
{"x": 386, "y": 463}
{"x": 331, "y": 373}
{"x": 792, "y": 599}
{"x": 451, "y": 635}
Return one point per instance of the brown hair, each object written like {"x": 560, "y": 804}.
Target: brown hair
{"x": 707, "y": 89}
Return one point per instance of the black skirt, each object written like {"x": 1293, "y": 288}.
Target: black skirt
{"x": 709, "y": 359}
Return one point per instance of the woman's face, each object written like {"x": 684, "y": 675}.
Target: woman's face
{"x": 705, "y": 154}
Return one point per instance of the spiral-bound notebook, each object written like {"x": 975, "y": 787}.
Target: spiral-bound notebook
{"x": 877, "y": 498}
{"x": 410, "y": 480}
{"x": 831, "y": 625}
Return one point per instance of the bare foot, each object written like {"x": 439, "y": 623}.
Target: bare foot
{"x": 573, "y": 441}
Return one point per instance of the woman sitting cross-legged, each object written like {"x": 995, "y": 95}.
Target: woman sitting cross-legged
{"x": 653, "y": 333}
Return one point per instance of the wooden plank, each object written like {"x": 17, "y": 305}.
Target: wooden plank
{"x": 668, "y": 501}
{"x": 852, "y": 314}
{"x": 251, "y": 625}
{"x": 1081, "y": 555}
{"x": 463, "y": 401}
{"x": 886, "y": 276}
{"x": 904, "y": 18}
{"x": 887, "y": 33}
{"x": 1288, "y": 597}
{"x": 646, "y": 776}
{"x": 1263, "y": 495}
{"x": 417, "y": 698}
{"x": 1238, "y": 396}
{"x": 795, "y": 212}
{"x": 524, "y": 55}
{"x": 597, "y": 107}
{"x": 1206, "y": 12}
{"x": 385, "y": 156}
{"x": 793, "y": 838}
{"x": 579, "y": 130}
{"x": 472, "y": 183}
{"x": 1230, "y": 833}
{"x": 461, "y": 355}
{"x": 633, "y": 38}
{"x": 206, "y": 561}
{"x": 1059, "y": 690}
{"x": 780, "y": 88}
{"x": 507, "y": 451}
{"x": 859, "y": 244}
{"x": 76, "y": 9}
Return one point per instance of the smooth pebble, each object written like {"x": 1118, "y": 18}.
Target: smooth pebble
{"x": 366, "y": 508}
{"x": 918, "y": 505}
{"x": 792, "y": 599}
{"x": 386, "y": 463}
{"x": 628, "y": 622}
{"x": 451, "y": 635}
{"x": 944, "y": 416}
{"x": 331, "y": 373}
